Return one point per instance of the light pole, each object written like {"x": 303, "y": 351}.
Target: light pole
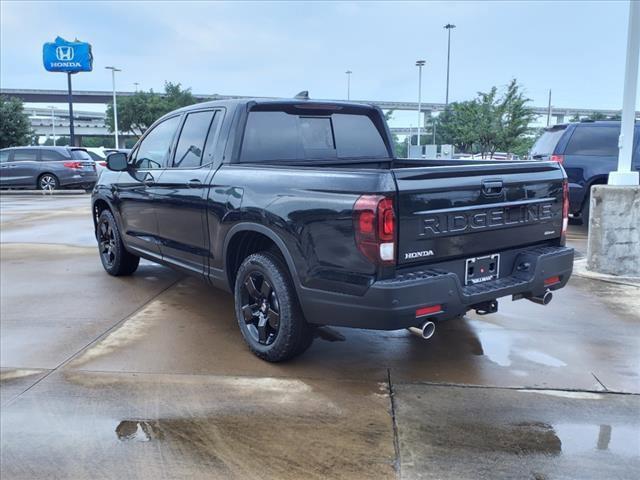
{"x": 449, "y": 27}
{"x": 624, "y": 175}
{"x": 115, "y": 106}
{"x": 420, "y": 64}
{"x": 348, "y": 72}
{"x": 136, "y": 85}
{"x": 53, "y": 124}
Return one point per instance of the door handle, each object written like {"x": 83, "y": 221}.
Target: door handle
{"x": 149, "y": 180}
{"x": 194, "y": 183}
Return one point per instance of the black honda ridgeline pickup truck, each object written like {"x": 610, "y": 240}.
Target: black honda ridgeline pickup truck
{"x": 301, "y": 210}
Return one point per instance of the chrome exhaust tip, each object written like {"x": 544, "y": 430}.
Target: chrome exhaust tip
{"x": 544, "y": 299}
{"x": 426, "y": 332}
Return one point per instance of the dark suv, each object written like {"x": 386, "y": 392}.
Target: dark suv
{"x": 46, "y": 168}
{"x": 588, "y": 151}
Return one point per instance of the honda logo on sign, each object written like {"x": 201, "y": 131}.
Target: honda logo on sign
{"x": 69, "y": 57}
{"x": 64, "y": 53}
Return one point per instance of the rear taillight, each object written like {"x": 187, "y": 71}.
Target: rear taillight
{"x": 73, "y": 165}
{"x": 557, "y": 158}
{"x": 103, "y": 164}
{"x": 565, "y": 211}
{"x": 374, "y": 223}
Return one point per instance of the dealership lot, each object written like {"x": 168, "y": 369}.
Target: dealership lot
{"x": 148, "y": 377}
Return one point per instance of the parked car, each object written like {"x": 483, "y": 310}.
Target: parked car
{"x": 46, "y": 168}
{"x": 99, "y": 155}
{"x": 300, "y": 209}
{"x": 588, "y": 151}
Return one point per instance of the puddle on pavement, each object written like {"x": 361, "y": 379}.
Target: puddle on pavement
{"x": 498, "y": 345}
{"x": 9, "y": 375}
{"x": 566, "y": 394}
{"x": 532, "y": 438}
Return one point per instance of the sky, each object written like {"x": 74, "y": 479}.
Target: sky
{"x": 575, "y": 48}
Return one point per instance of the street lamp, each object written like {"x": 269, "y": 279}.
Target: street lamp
{"x": 115, "y": 107}
{"x": 449, "y": 27}
{"x": 136, "y": 85}
{"x": 420, "y": 64}
{"x": 53, "y": 124}
{"x": 348, "y": 72}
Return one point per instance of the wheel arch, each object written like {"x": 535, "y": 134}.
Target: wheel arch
{"x": 246, "y": 238}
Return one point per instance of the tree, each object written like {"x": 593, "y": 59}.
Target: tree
{"x": 137, "y": 112}
{"x": 489, "y": 123}
{"x": 15, "y": 128}
{"x": 514, "y": 117}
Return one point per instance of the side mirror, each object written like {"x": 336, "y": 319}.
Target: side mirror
{"x": 117, "y": 162}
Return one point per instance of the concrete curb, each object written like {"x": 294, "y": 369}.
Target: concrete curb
{"x": 42, "y": 193}
{"x": 580, "y": 270}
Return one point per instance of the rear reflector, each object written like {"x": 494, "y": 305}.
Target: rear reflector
{"x": 551, "y": 281}
{"x": 565, "y": 211}
{"x": 421, "y": 312}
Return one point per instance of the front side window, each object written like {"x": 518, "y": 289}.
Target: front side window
{"x": 594, "y": 141}
{"x": 4, "y": 156}
{"x": 25, "y": 155}
{"x": 192, "y": 138}
{"x": 155, "y": 147}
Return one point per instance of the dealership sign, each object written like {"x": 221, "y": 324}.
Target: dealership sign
{"x": 70, "y": 57}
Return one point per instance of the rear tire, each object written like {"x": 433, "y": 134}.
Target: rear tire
{"x": 268, "y": 311}
{"x": 115, "y": 258}
{"x": 48, "y": 182}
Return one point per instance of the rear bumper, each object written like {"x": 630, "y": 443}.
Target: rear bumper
{"x": 392, "y": 304}
{"x": 80, "y": 178}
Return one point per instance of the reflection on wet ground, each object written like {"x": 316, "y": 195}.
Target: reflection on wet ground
{"x": 461, "y": 432}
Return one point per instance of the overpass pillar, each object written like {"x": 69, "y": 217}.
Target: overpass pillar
{"x": 559, "y": 118}
{"x": 77, "y": 140}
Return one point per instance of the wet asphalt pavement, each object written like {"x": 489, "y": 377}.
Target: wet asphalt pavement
{"x": 148, "y": 377}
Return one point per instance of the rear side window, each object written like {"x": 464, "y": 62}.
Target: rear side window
{"x": 26, "y": 155}
{"x": 546, "y": 144}
{"x": 192, "y": 138}
{"x": 80, "y": 155}
{"x": 4, "y": 156}
{"x": 593, "y": 140}
{"x": 279, "y": 135}
{"x": 51, "y": 156}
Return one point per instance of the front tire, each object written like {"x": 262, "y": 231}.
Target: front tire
{"x": 116, "y": 260}
{"x": 48, "y": 182}
{"x": 268, "y": 311}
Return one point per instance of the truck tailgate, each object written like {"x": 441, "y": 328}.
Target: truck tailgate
{"x": 468, "y": 210}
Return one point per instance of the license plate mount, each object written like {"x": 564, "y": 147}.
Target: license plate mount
{"x": 482, "y": 269}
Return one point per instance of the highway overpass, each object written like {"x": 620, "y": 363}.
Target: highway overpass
{"x": 560, "y": 114}
{"x": 88, "y": 123}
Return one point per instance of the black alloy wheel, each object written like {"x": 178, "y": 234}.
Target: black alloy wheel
{"x": 115, "y": 258}
{"x": 107, "y": 242}
{"x": 260, "y": 308}
{"x": 267, "y": 308}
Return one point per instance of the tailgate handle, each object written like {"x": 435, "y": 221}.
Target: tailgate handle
{"x": 492, "y": 187}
